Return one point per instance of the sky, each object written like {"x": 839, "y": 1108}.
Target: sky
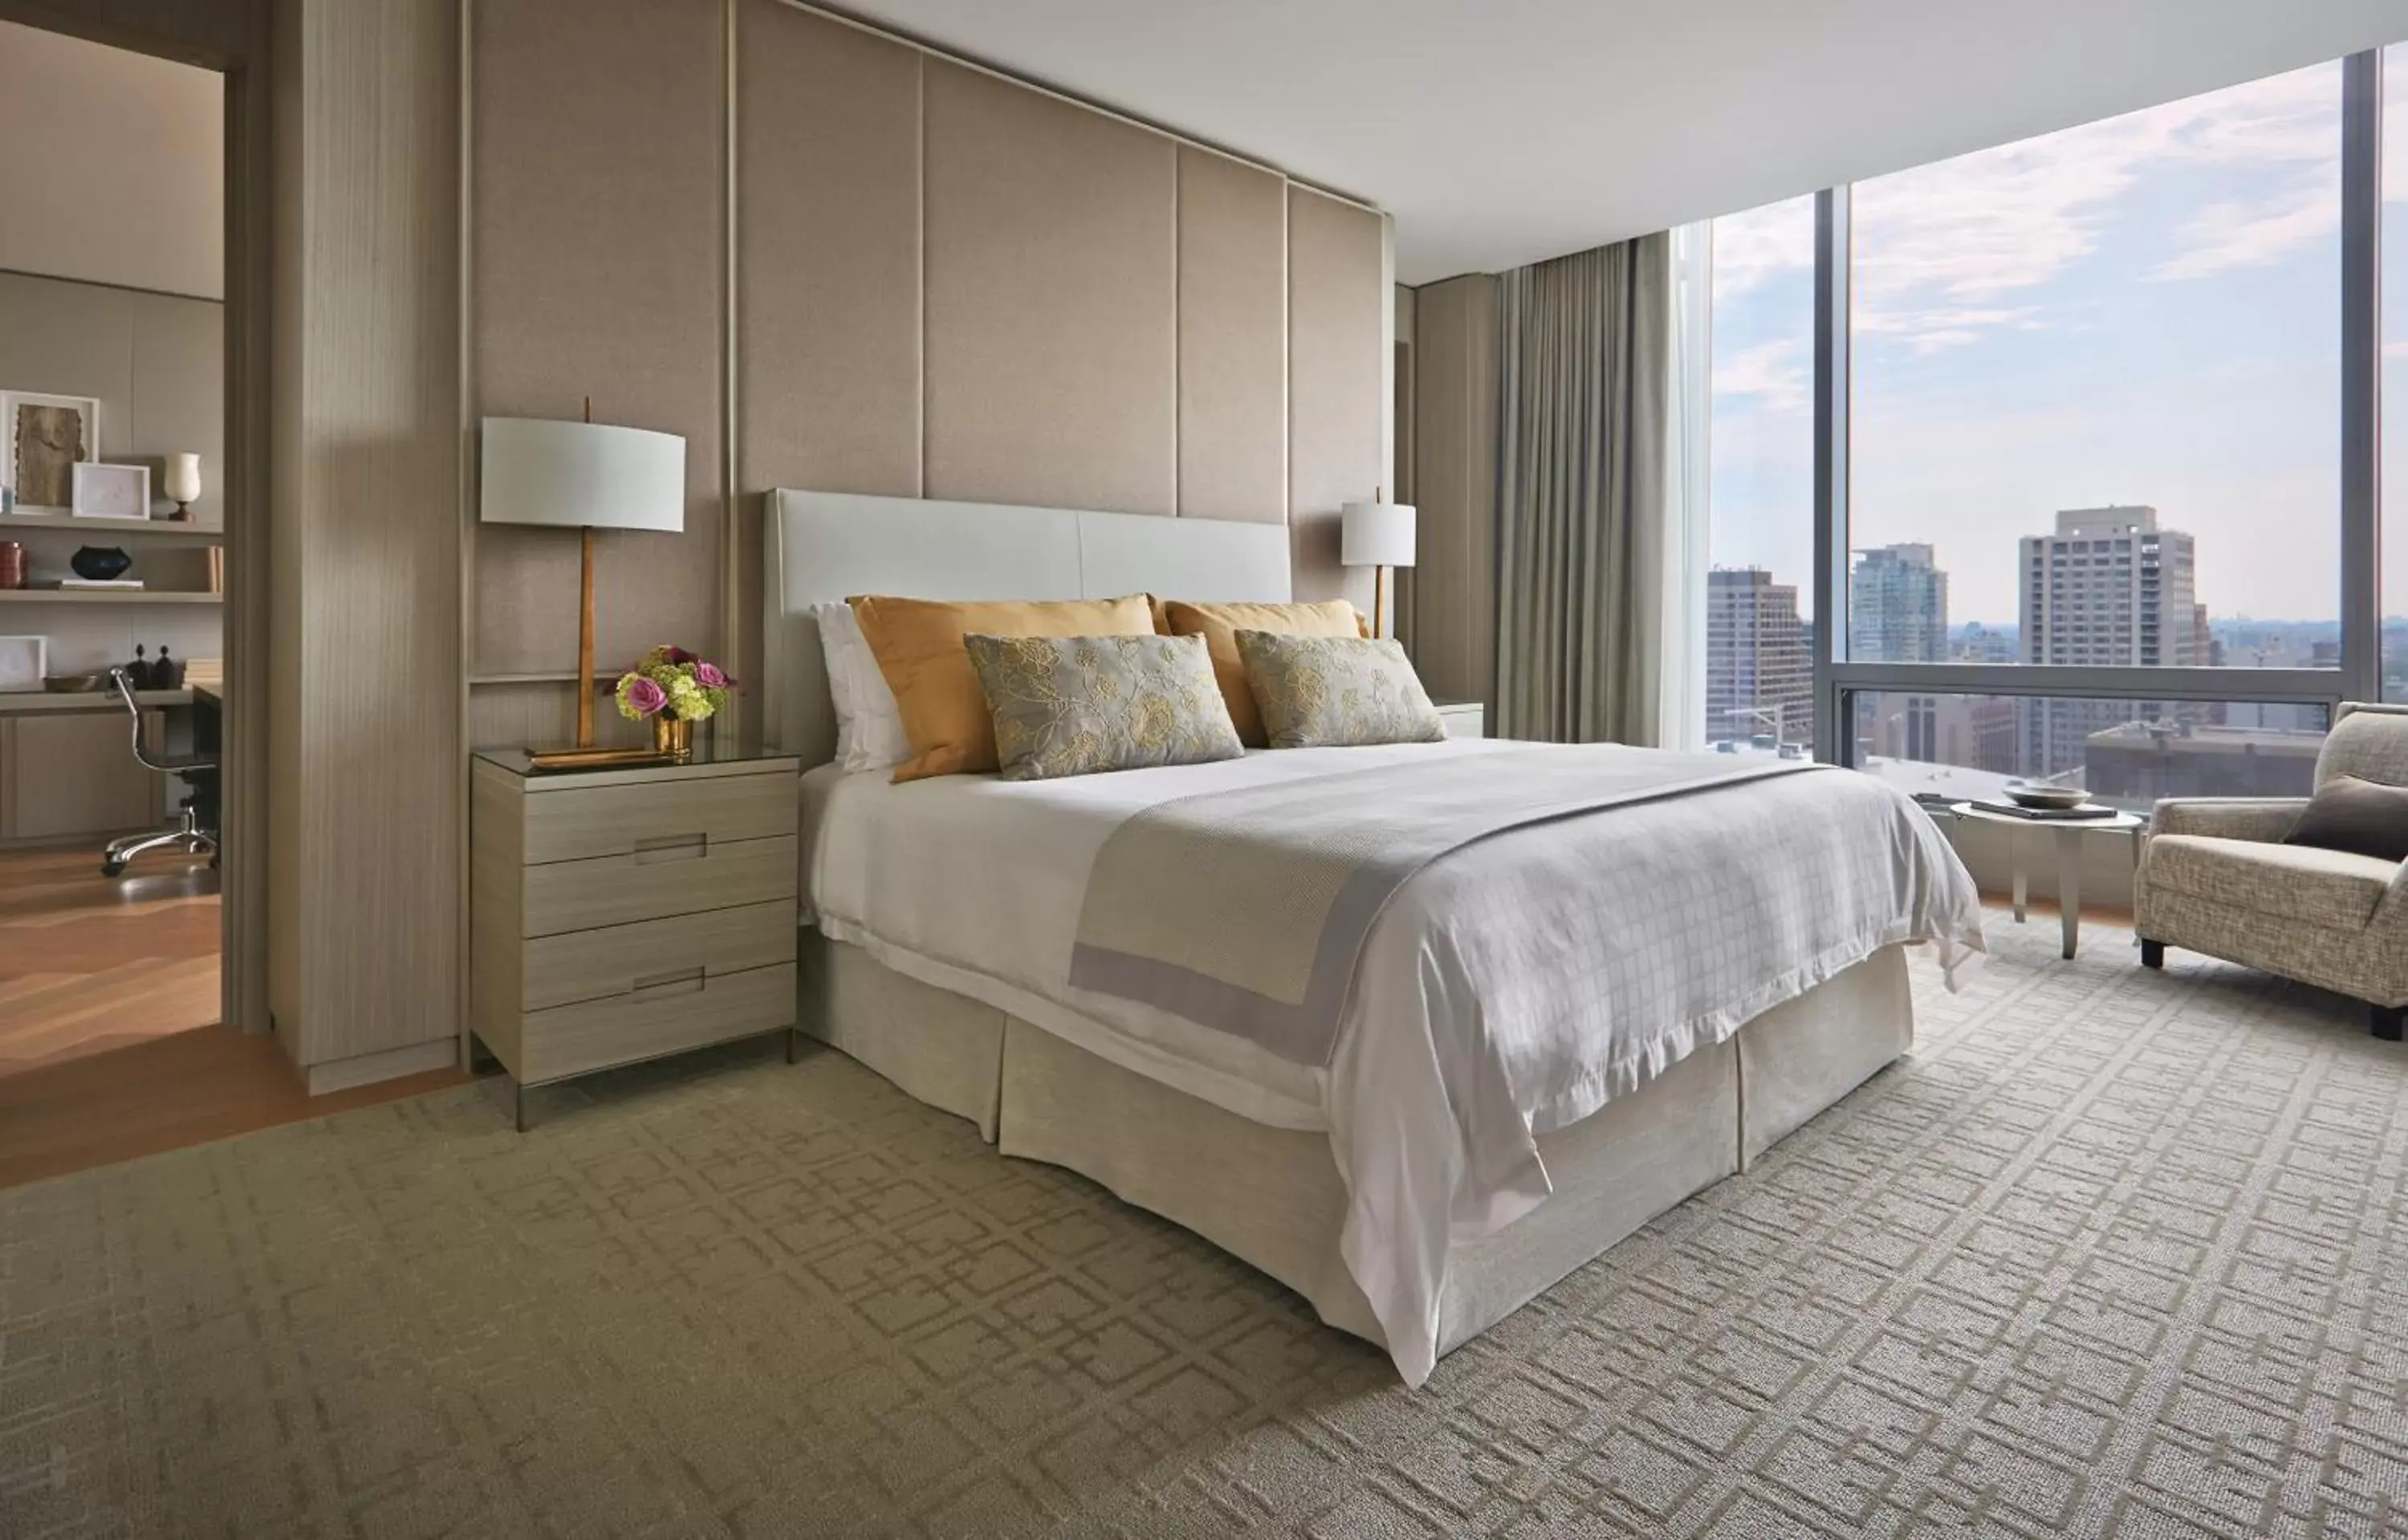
{"x": 2139, "y": 310}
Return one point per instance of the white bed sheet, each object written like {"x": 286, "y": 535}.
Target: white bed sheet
{"x": 1508, "y": 990}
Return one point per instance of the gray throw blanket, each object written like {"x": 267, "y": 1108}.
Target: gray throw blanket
{"x": 1246, "y": 910}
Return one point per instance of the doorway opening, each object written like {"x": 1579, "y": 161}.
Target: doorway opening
{"x": 114, "y": 532}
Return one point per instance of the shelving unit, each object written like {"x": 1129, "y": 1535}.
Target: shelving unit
{"x": 99, "y": 530}
{"x": 106, "y": 595}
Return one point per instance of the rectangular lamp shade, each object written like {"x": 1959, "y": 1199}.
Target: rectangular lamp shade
{"x": 1376, "y": 535}
{"x": 582, "y": 474}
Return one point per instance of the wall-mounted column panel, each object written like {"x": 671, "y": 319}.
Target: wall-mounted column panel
{"x": 365, "y": 817}
{"x": 1339, "y": 304}
{"x": 1232, "y": 339}
{"x": 828, "y": 274}
{"x": 597, "y": 264}
{"x": 1052, "y": 300}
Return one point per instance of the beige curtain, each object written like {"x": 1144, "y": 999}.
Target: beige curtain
{"x": 1583, "y": 389}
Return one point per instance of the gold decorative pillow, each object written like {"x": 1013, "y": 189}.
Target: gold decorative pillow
{"x": 918, "y": 645}
{"x": 1326, "y": 692}
{"x": 1078, "y": 705}
{"x": 1219, "y": 625}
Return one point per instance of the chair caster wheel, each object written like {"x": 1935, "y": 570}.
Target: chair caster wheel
{"x": 112, "y": 868}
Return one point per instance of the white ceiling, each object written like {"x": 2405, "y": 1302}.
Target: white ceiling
{"x": 1504, "y": 132}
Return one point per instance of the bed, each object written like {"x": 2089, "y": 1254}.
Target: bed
{"x": 1555, "y": 1029}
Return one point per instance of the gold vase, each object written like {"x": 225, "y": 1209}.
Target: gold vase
{"x": 673, "y": 735}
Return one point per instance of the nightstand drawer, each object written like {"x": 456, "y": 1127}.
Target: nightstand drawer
{"x": 597, "y": 1033}
{"x": 656, "y": 883}
{"x": 612, "y": 962}
{"x": 583, "y": 823}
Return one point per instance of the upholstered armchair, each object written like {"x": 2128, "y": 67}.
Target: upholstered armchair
{"x": 2216, "y": 878}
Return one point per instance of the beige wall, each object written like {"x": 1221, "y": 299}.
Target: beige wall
{"x": 111, "y": 165}
{"x": 870, "y": 268}
{"x": 1452, "y": 589}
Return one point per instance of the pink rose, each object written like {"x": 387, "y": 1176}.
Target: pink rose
{"x": 646, "y": 697}
{"x": 708, "y": 677}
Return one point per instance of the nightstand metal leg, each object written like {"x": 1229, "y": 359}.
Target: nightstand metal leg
{"x": 2023, "y": 883}
{"x": 793, "y": 1044}
{"x": 2069, "y": 887}
{"x": 518, "y": 1105}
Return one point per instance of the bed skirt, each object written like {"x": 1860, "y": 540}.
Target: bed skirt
{"x": 1272, "y": 1198}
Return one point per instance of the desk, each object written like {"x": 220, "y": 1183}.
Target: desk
{"x": 47, "y": 702}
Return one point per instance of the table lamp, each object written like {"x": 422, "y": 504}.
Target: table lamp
{"x": 1377, "y": 534}
{"x": 182, "y": 484}
{"x": 583, "y": 475}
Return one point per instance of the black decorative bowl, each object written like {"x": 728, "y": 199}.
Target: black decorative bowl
{"x": 100, "y": 563}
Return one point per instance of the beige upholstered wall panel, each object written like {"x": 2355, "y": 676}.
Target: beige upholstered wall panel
{"x": 828, "y": 273}
{"x": 1455, "y": 485}
{"x": 597, "y": 266}
{"x": 1339, "y": 308}
{"x": 1232, "y": 339}
{"x": 1051, "y": 298}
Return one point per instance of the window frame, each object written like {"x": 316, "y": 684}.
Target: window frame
{"x": 2360, "y": 674}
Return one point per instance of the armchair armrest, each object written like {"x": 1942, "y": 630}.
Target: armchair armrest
{"x": 2264, "y": 819}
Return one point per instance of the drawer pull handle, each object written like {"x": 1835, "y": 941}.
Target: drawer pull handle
{"x": 672, "y": 847}
{"x": 685, "y": 981}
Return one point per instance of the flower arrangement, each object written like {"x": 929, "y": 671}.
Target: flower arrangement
{"x": 672, "y": 683}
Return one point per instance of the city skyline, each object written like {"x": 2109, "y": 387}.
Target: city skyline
{"x": 2144, "y": 309}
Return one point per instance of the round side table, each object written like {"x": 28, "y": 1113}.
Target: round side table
{"x": 2069, "y": 832}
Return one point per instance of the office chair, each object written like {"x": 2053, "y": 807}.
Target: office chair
{"x": 197, "y": 828}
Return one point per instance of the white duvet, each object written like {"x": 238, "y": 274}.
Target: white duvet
{"x": 1508, "y": 990}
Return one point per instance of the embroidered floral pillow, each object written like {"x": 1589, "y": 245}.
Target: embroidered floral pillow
{"x": 1079, "y": 705}
{"x": 1318, "y": 692}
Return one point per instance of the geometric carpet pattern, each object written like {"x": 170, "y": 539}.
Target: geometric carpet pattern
{"x": 2113, "y": 1253}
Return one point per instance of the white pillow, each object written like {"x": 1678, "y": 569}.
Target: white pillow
{"x": 869, "y": 728}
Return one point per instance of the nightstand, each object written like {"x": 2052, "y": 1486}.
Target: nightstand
{"x": 1463, "y": 718}
{"x": 619, "y": 915}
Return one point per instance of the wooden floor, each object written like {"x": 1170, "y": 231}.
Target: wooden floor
{"x": 109, "y": 1046}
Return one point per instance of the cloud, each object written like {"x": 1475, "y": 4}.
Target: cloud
{"x": 1941, "y": 250}
{"x": 1752, "y": 249}
{"x": 2234, "y": 235}
{"x": 1775, "y": 372}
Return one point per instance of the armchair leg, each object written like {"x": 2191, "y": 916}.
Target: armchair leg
{"x": 2153, "y": 953}
{"x": 2388, "y": 1021}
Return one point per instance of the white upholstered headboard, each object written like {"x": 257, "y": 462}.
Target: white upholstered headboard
{"x": 825, "y": 546}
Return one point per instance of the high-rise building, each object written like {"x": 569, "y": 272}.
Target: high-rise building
{"x": 2108, "y": 589}
{"x": 1759, "y": 677}
{"x": 1898, "y": 607}
{"x": 1980, "y": 643}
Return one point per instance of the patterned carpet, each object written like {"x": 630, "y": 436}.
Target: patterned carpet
{"x": 2114, "y": 1253}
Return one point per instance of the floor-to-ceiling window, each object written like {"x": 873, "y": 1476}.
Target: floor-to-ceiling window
{"x": 1759, "y": 670}
{"x": 2394, "y": 231}
{"x": 2090, "y": 394}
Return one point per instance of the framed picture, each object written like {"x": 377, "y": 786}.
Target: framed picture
{"x": 113, "y": 492}
{"x": 24, "y": 660}
{"x": 42, "y": 439}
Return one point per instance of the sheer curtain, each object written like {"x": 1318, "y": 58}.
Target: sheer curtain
{"x": 1583, "y": 442}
